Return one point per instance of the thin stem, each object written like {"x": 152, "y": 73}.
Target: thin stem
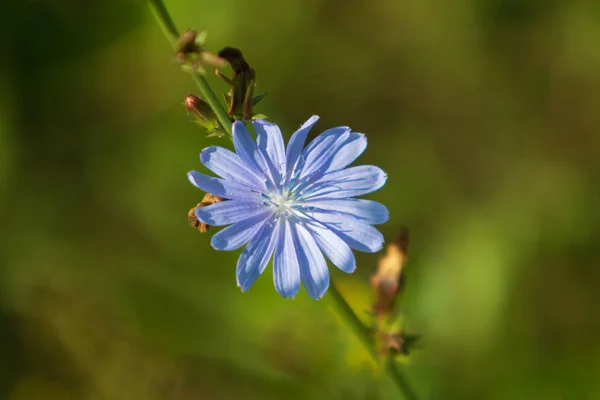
{"x": 213, "y": 102}
{"x": 164, "y": 20}
{"x": 344, "y": 310}
{"x": 400, "y": 380}
{"x": 172, "y": 34}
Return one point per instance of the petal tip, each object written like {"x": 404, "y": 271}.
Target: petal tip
{"x": 378, "y": 247}
{"x": 385, "y": 217}
{"x": 319, "y": 295}
{"x": 263, "y": 122}
{"x": 311, "y": 121}
{"x": 291, "y": 294}
{"x": 244, "y": 287}
{"x": 191, "y": 178}
{"x": 351, "y": 267}
{"x": 205, "y": 153}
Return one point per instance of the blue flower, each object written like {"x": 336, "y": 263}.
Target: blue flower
{"x": 296, "y": 203}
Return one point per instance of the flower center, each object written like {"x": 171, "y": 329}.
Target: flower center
{"x": 282, "y": 203}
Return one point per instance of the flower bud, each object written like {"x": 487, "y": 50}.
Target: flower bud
{"x": 395, "y": 342}
{"x": 203, "y": 114}
{"x": 199, "y": 108}
{"x": 186, "y": 44}
{"x": 190, "y": 52}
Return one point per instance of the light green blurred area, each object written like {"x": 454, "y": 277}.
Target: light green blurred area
{"x": 484, "y": 113}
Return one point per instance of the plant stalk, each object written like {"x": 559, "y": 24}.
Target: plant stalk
{"x": 172, "y": 34}
{"x": 343, "y": 309}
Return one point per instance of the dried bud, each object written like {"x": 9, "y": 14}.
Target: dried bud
{"x": 206, "y": 201}
{"x": 388, "y": 280}
{"x": 211, "y": 59}
{"x": 186, "y": 44}
{"x": 240, "y": 98}
{"x": 191, "y": 54}
{"x": 391, "y": 342}
{"x": 396, "y": 342}
{"x": 237, "y": 62}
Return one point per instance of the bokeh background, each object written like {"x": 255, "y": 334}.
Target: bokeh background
{"x": 484, "y": 113}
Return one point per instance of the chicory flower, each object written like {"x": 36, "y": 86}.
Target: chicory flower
{"x": 295, "y": 204}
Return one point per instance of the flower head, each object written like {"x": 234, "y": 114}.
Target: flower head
{"x": 294, "y": 204}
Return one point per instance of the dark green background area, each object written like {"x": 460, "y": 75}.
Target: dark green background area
{"x": 484, "y": 113}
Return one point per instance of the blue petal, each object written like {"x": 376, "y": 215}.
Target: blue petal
{"x": 357, "y": 234}
{"x": 228, "y": 165}
{"x": 246, "y": 148}
{"x": 368, "y": 211}
{"x": 286, "y": 271}
{"x": 321, "y": 152}
{"x": 270, "y": 142}
{"x": 329, "y": 134}
{"x": 221, "y": 187}
{"x": 256, "y": 255}
{"x": 313, "y": 267}
{"x": 349, "y": 151}
{"x": 349, "y": 182}
{"x": 228, "y": 212}
{"x": 296, "y": 144}
{"x": 236, "y": 235}
{"x": 342, "y": 151}
{"x": 338, "y": 252}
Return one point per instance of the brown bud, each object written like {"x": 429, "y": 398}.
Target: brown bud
{"x": 190, "y": 52}
{"x": 237, "y": 61}
{"x": 186, "y": 44}
{"x": 240, "y": 98}
{"x": 388, "y": 280}
{"x": 396, "y": 341}
{"x": 210, "y": 58}
{"x": 206, "y": 201}
{"x": 391, "y": 342}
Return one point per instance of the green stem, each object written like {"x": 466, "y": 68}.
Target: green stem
{"x": 399, "y": 379}
{"x": 164, "y": 20}
{"x": 172, "y": 34}
{"x": 344, "y": 310}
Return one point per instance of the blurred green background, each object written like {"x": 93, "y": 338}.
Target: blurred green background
{"x": 484, "y": 113}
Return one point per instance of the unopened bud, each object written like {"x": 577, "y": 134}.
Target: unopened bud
{"x": 203, "y": 114}
{"x": 199, "y": 108}
{"x": 206, "y": 201}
